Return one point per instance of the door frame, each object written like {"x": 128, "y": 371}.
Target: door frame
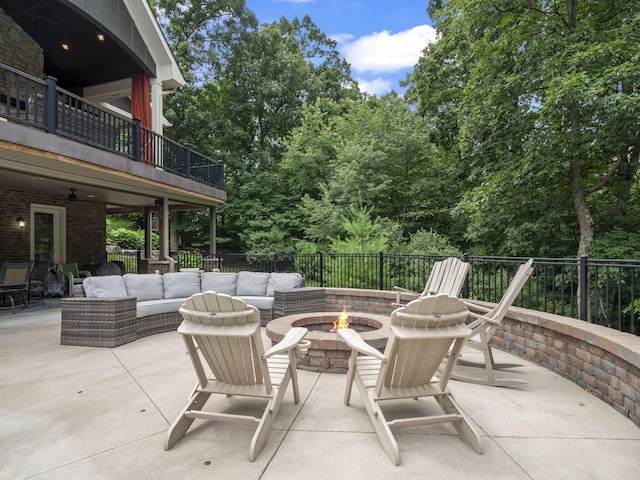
{"x": 59, "y": 230}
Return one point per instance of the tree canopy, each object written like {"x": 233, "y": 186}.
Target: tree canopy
{"x": 540, "y": 100}
{"x": 519, "y": 132}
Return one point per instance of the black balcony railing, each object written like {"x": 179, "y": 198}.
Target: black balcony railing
{"x": 42, "y": 104}
{"x": 606, "y": 292}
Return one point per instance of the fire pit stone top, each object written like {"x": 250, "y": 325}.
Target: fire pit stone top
{"x": 374, "y": 328}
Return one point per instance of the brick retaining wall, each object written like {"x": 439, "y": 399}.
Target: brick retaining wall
{"x": 603, "y": 361}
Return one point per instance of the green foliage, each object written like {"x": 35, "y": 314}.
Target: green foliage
{"x": 376, "y": 152}
{"x": 363, "y": 235}
{"x": 265, "y": 239}
{"x": 541, "y": 102}
{"x": 430, "y": 242}
{"x": 130, "y": 221}
{"x": 617, "y": 243}
{"x": 518, "y": 134}
{"x": 130, "y": 239}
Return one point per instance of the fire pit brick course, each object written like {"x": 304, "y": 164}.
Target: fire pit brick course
{"x": 326, "y": 353}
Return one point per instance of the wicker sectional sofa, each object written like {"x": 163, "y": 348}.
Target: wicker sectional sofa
{"x": 113, "y": 310}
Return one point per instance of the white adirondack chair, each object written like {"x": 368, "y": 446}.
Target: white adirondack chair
{"x": 226, "y": 332}
{"x": 446, "y": 276}
{"x": 422, "y": 334}
{"x": 485, "y": 322}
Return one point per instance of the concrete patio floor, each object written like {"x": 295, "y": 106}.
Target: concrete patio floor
{"x": 96, "y": 413}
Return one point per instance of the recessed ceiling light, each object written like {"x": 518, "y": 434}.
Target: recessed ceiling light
{"x": 65, "y": 46}
{"x": 101, "y": 37}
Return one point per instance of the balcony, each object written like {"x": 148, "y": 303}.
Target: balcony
{"x": 97, "y": 146}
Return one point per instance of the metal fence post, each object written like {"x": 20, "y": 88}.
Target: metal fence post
{"x": 381, "y": 257}
{"x": 583, "y": 289}
{"x": 321, "y": 270}
{"x": 465, "y": 286}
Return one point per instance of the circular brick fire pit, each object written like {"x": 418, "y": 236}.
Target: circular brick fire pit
{"x": 326, "y": 353}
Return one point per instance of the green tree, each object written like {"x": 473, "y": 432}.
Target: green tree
{"x": 543, "y": 101}
{"x": 247, "y": 86}
{"x": 376, "y": 153}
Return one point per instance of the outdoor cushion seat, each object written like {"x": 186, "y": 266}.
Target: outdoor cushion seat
{"x": 262, "y": 303}
{"x": 157, "y": 307}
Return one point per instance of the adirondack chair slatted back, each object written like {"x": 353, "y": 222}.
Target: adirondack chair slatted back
{"x": 447, "y": 276}
{"x": 421, "y": 334}
{"x": 234, "y": 350}
{"x": 513, "y": 290}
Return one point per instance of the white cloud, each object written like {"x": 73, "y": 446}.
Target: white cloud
{"x": 341, "y": 37}
{"x": 377, "y": 86}
{"x": 386, "y": 52}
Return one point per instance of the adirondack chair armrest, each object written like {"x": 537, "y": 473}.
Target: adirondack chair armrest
{"x": 400, "y": 291}
{"x": 355, "y": 342}
{"x": 480, "y": 320}
{"x": 475, "y": 307}
{"x": 290, "y": 340}
{"x": 404, "y": 290}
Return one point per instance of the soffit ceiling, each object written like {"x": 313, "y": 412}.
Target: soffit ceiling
{"x": 88, "y": 61}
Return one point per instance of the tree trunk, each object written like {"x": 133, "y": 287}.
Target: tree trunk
{"x": 579, "y": 190}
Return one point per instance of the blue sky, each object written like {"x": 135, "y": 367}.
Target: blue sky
{"x": 381, "y": 39}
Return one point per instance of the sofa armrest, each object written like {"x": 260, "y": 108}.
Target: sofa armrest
{"x": 98, "y": 322}
{"x": 298, "y": 300}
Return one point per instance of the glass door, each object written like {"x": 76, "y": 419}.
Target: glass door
{"x": 48, "y": 238}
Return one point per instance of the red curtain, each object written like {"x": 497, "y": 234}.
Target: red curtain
{"x": 141, "y": 109}
{"x": 141, "y": 98}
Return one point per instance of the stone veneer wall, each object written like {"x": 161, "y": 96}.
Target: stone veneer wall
{"x": 359, "y": 300}
{"x": 19, "y": 50}
{"x": 603, "y": 361}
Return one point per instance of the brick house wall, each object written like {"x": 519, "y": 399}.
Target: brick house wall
{"x": 85, "y": 228}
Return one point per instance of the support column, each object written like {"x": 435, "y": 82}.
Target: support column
{"x": 212, "y": 231}
{"x": 211, "y": 263}
{"x": 156, "y": 105}
{"x": 148, "y": 224}
{"x": 163, "y": 228}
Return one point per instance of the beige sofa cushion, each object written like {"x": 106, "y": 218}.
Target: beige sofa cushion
{"x": 252, "y": 284}
{"x": 180, "y": 284}
{"x": 144, "y": 286}
{"x": 219, "y": 282}
{"x": 283, "y": 281}
{"x": 108, "y": 286}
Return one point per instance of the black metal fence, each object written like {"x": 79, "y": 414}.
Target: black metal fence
{"x": 606, "y": 292}
{"x": 42, "y": 104}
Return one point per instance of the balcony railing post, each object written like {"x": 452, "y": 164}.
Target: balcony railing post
{"x": 51, "y": 105}
{"x": 187, "y": 160}
{"x": 136, "y": 143}
{"x": 583, "y": 289}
